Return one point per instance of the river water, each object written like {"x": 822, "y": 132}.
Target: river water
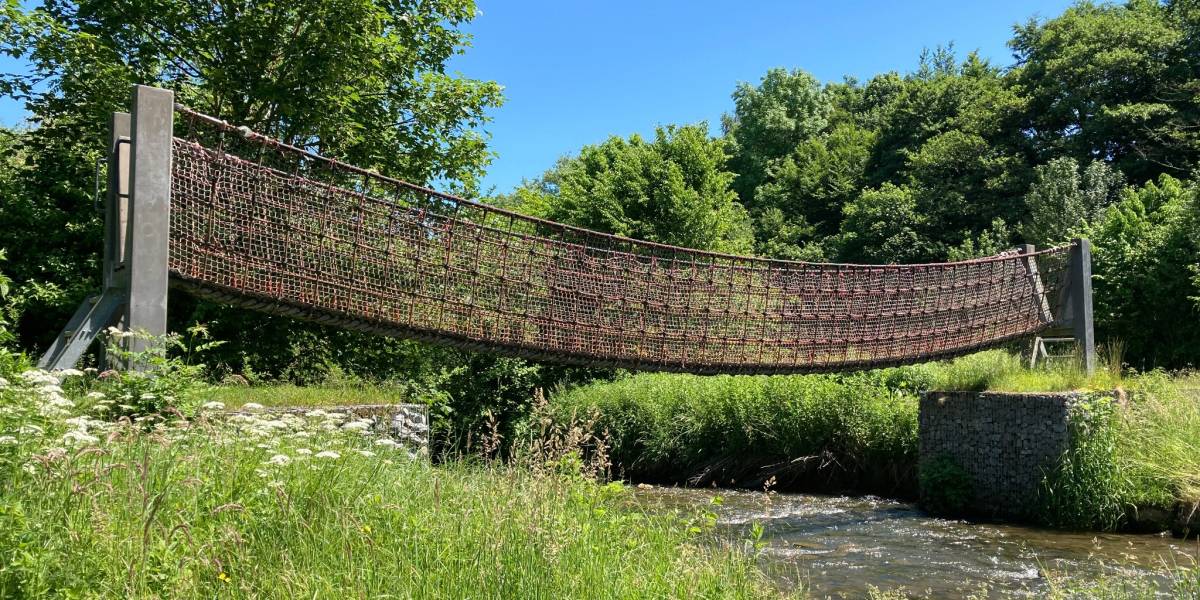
{"x": 837, "y": 546}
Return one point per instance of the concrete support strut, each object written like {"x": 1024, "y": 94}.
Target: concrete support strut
{"x": 136, "y": 228}
{"x": 150, "y": 212}
{"x": 1080, "y": 302}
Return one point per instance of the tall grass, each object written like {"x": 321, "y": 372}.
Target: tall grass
{"x": 673, "y": 426}
{"x": 294, "y": 507}
{"x": 1001, "y": 371}
{"x": 1158, "y": 438}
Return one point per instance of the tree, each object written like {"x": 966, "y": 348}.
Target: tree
{"x": 882, "y": 226}
{"x": 1061, "y": 200}
{"x": 1145, "y": 254}
{"x": 673, "y": 189}
{"x": 1113, "y": 82}
{"x": 809, "y": 187}
{"x": 363, "y": 80}
{"x": 768, "y": 122}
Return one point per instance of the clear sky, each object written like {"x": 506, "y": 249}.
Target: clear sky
{"x": 575, "y": 72}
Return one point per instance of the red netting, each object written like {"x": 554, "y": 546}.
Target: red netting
{"x": 261, "y": 224}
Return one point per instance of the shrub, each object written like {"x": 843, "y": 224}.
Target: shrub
{"x": 946, "y": 487}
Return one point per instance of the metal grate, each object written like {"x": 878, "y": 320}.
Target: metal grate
{"x": 269, "y": 226}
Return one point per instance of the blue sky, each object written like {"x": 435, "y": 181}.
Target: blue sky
{"x": 576, "y": 72}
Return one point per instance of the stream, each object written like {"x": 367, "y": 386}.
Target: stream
{"x": 838, "y": 546}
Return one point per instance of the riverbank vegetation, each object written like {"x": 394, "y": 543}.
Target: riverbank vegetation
{"x": 159, "y": 503}
{"x": 858, "y": 432}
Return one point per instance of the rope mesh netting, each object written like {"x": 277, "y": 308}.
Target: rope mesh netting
{"x": 261, "y": 224}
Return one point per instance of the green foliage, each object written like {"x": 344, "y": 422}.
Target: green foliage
{"x": 769, "y": 121}
{"x": 163, "y": 384}
{"x": 363, "y": 80}
{"x": 672, "y": 426}
{"x": 804, "y": 191}
{"x": 1114, "y": 81}
{"x": 1002, "y": 371}
{"x": 1061, "y": 201}
{"x": 1159, "y": 439}
{"x": 6, "y": 336}
{"x": 883, "y": 225}
{"x": 946, "y": 488}
{"x": 672, "y": 190}
{"x": 284, "y": 507}
{"x": 1144, "y": 256}
{"x": 1087, "y": 489}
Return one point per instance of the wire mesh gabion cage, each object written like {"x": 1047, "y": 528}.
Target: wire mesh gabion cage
{"x": 265, "y": 225}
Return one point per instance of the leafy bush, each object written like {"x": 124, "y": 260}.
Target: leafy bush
{"x": 1087, "y": 489}
{"x": 946, "y": 487}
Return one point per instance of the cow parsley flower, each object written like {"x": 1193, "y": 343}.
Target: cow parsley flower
{"x": 279, "y": 459}
{"x": 328, "y": 454}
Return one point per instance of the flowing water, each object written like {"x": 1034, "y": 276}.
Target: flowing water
{"x": 838, "y": 546}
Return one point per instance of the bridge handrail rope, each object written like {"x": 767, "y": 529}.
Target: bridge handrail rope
{"x": 260, "y": 223}
{"x": 254, "y": 136}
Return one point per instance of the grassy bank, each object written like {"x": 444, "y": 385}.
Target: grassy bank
{"x": 858, "y": 432}
{"x": 821, "y": 432}
{"x": 311, "y": 507}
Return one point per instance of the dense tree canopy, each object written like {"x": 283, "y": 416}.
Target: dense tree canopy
{"x": 673, "y": 189}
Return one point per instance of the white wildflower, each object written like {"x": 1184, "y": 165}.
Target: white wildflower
{"x": 390, "y": 443}
{"x": 148, "y": 396}
{"x": 7, "y": 440}
{"x": 366, "y": 453}
{"x": 3, "y": 383}
{"x": 252, "y": 406}
{"x": 77, "y": 437}
{"x": 303, "y": 451}
{"x": 52, "y": 412}
{"x": 315, "y": 413}
{"x": 37, "y": 376}
{"x": 34, "y": 429}
{"x": 357, "y": 426}
{"x": 95, "y": 395}
{"x": 81, "y": 422}
{"x": 69, "y": 373}
{"x": 328, "y": 454}
{"x": 213, "y": 406}
{"x": 59, "y": 401}
{"x": 279, "y": 459}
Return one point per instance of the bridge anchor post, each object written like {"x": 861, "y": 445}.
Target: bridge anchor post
{"x": 152, "y": 124}
{"x": 136, "y": 227}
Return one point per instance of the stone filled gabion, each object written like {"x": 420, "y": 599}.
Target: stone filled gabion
{"x": 1005, "y": 442}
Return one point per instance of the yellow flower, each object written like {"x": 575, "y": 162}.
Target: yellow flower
{"x": 223, "y": 576}
{"x": 366, "y": 529}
